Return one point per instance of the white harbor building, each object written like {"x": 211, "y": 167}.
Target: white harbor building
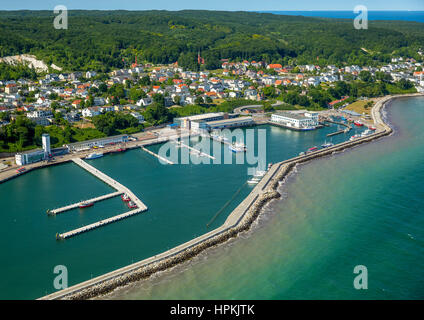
{"x": 296, "y": 120}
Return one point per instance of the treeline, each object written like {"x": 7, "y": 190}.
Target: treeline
{"x": 11, "y": 72}
{"x": 103, "y": 40}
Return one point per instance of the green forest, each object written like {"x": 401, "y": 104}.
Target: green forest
{"x": 103, "y": 40}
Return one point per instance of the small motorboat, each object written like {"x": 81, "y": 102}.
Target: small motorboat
{"x": 132, "y": 205}
{"x": 83, "y": 205}
{"x": 125, "y": 197}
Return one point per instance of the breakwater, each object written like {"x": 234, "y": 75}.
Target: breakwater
{"x": 238, "y": 221}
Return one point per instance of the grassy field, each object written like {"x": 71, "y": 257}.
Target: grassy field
{"x": 361, "y": 106}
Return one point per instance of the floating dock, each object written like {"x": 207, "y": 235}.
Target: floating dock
{"x": 120, "y": 189}
{"x": 156, "y": 155}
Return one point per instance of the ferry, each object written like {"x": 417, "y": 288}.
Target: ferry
{"x": 237, "y": 147}
{"x": 85, "y": 205}
{"x": 132, "y": 205}
{"x": 125, "y": 197}
{"x": 94, "y": 156}
{"x": 358, "y": 123}
{"x": 327, "y": 145}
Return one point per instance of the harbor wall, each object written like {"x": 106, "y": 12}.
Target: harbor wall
{"x": 239, "y": 220}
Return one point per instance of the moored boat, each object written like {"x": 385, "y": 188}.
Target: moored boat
{"x": 237, "y": 147}
{"x": 85, "y": 205}
{"x": 132, "y": 205}
{"x": 327, "y": 145}
{"x": 94, "y": 156}
{"x": 358, "y": 123}
{"x": 125, "y": 197}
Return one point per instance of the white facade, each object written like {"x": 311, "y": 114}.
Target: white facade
{"x": 305, "y": 121}
{"x": 45, "y": 138}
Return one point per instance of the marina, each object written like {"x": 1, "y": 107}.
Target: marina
{"x": 136, "y": 203}
{"x": 142, "y": 178}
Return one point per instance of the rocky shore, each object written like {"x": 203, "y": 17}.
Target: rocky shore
{"x": 276, "y": 174}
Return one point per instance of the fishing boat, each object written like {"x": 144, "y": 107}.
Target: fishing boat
{"x": 358, "y": 123}
{"x": 132, "y": 205}
{"x": 237, "y": 147}
{"x": 125, "y": 197}
{"x": 94, "y": 156}
{"x": 85, "y": 205}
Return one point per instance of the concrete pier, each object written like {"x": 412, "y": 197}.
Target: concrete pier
{"x": 98, "y": 224}
{"x": 202, "y": 154}
{"x": 76, "y": 205}
{"x": 157, "y": 156}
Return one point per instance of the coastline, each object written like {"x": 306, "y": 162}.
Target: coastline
{"x": 238, "y": 221}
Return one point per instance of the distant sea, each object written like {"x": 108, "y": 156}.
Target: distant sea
{"x": 417, "y": 16}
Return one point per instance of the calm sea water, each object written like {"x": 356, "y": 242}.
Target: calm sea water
{"x": 417, "y": 16}
{"x": 359, "y": 207}
{"x": 182, "y": 200}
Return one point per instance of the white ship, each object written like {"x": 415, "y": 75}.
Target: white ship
{"x": 94, "y": 156}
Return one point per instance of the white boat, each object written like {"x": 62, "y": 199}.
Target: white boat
{"x": 259, "y": 173}
{"x": 94, "y": 156}
{"x": 354, "y": 137}
{"x": 237, "y": 147}
{"x": 253, "y": 180}
{"x": 327, "y": 145}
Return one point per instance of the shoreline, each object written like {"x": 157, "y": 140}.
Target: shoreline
{"x": 238, "y": 221}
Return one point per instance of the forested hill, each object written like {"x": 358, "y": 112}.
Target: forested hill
{"x": 99, "y": 40}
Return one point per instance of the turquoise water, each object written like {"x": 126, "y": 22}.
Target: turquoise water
{"x": 182, "y": 200}
{"x": 359, "y": 207}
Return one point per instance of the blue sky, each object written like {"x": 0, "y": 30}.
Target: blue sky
{"x": 242, "y": 5}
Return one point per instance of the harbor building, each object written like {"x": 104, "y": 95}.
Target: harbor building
{"x": 198, "y": 122}
{"x": 296, "y": 121}
{"x": 28, "y": 157}
{"x": 229, "y": 123}
{"x": 86, "y": 145}
{"x": 37, "y": 155}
